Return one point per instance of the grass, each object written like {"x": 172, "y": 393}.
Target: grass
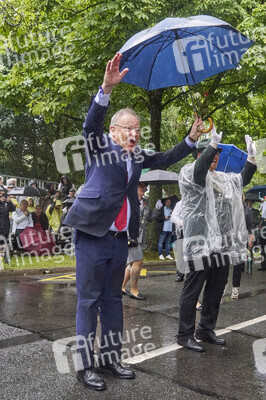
{"x": 20, "y": 261}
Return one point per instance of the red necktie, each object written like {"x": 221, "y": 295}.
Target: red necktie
{"x": 121, "y": 219}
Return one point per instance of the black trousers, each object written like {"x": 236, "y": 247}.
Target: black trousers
{"x": 215, "y": 274}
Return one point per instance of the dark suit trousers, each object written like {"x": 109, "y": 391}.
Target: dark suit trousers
{"x": 215, "y": 274}
{"x": 101, "y": 263}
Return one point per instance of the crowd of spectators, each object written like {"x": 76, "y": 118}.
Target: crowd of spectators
{"x": 30, "y": 222}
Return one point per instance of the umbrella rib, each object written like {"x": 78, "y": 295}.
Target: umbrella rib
{"x": 193, "y": 104}
{"x": 154, "y": 40}
{"x": 150, "y": 74}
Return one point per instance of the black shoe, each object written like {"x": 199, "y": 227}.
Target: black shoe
{"x": 209, "y": 336}
{"x": 117, "y": 370}
{"x": 138, "y": 297}
{"x": 125, "y": 292}
{"x": 179, "y": 278}
{"x": 90, "y": 379}
{"x": 261, "y": 269}
{"x": 191, "y": 344}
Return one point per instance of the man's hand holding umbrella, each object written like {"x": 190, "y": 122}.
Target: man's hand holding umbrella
{"x": 196, "y": 130}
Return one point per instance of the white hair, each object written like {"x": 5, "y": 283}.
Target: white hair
{"x": 120, "y": 113}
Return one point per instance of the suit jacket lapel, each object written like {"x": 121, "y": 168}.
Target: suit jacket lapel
{"x": 116, "y": 155}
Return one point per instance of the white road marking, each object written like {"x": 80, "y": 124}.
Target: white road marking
{"x": 167, "y": 349}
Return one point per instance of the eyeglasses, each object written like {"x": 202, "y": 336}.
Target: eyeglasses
{"x": 127, "y": 129}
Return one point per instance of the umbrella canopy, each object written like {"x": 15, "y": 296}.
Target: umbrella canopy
{"x": 232, "y": 159}
{"x": 259, "y": 190}
{"x": 68, "y": 202}
{"x": 252, "y": 196}
{"x": 182, "y": 51}
{"x": 159, "y": 177}
{"x": 29, "y": 191}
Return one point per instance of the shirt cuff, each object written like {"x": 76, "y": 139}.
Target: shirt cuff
{"x": 189, "y": 143}
{"x": 102, "y": 99}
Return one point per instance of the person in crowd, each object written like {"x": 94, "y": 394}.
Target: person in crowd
{"x": 65, "y": 185}
{"x": 181, "y": 266}
{"x": 1, "y": 181}
{"x": 239, "y": 265}
{"x": 45, "y": 201}
{"x": 104, "y": 210}
{"x": 57, "y": 195}
{"x": 10, "y": 187}
{"x": 12, "y": 181}
{"x": 256, "y": 218}
{"x": 135, "y": 250}
{"x": 214, "y": 227}
{"x": 39, "y": 218}
{"x": 54, "y": 214}
{"x": 6, "y": 206}
{"x": 177, "y": 220}
{"x": 71, "y": 194}
{"x": 262, "y": 230}
{"x": 21, "y": 218}
{"x": 31, "y": 205}
{"x": 50, "y": 187}
{"x": 33, "y": 183}
{"x": 166, "y": 229}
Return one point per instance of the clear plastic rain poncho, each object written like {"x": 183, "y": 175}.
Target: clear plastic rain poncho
{"x": 213, "y": 216}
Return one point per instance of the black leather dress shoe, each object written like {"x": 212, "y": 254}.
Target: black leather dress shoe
{"x": 179, "y": 278}
{"x": 191, "y": 344}
{"x": 90, "y": 379}
{"x": 209, "y": 336}
{"x": 137, "y": 297}
{"x": 117, "y": 370}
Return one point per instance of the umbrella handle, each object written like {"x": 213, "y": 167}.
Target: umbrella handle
{"x": 210, "y": 121}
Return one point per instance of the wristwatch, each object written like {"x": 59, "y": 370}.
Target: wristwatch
{"x": 192, "y": 140}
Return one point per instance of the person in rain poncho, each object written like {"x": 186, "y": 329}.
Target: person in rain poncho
{"x": 214, "y": 231}
{"x": 54, "y": 214}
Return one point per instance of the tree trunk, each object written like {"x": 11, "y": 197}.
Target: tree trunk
{"x": 155, "y": 109}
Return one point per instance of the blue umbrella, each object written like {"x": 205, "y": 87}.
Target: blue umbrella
{"x": 232, "y": 159}
{"x": 182, "y": 51}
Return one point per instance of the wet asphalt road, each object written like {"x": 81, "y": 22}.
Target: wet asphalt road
{"x": 37, "y": 310}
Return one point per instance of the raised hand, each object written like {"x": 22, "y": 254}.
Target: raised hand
{"x": 215, "y": 137}
{"x": 251, "y": 148}
{"x": 112, "y": 74}
{"x": 158, "y": 204}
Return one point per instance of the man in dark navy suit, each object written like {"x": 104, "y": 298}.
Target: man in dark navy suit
{"x": 105, "y": 209}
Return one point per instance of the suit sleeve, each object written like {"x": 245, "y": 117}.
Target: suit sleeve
{"x": 164, "y": 160}
{"x": 93, "y": 126}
